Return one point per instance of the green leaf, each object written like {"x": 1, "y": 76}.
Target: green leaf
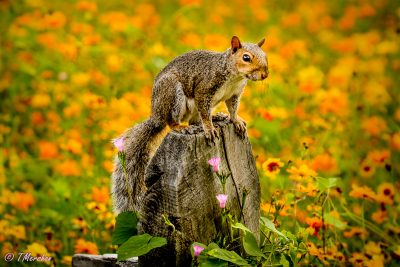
{"x": 139, "y": 245}
{"x": 329, "y": 219}
{"x": 326, "y": 183}
{"x": 241, "y": 227}
{"x": 271, "y": 226}
{"x": 229, "y": 256}
{"x": 251, "y": 247}
{"x": 284, "y": 261}
{"x": 125, "y": 227}
{"x": 207, "y": 261}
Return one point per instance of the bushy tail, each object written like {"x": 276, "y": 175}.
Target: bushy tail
{"x": 138, "y": 142}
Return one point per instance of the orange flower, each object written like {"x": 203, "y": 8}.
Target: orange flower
{"x": 101, "y": 194}
{"x": 379, "y": 216}
{"x": 324, "y": 162}
{"x": 68, "y": 167}
{"x": 315, "y": 225}
{"x": 356, "y": 231}
{"x": 374, "y": 125}
{"x": 86, "y": 6}
{"x": 395, "y": 141}
{"x": 385, "y": 193}
{"x": 272, "y": 167}
{"x": 191, "y": 39}
{"x": 55, "y": 20}
{"x": 83, "y": 246}
{"x": 379, "y": 157}
{"x": 22, "y": 200}
{"x": 333, "y": 101}
{"x": 47, "y": 150}
{"x": 362, "y": 192}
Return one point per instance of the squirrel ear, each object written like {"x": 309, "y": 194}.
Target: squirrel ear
{"x": 260, "y": 43}
{"x": 235, "y": 43}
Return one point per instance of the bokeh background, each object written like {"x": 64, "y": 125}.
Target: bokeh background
{"x": 75, "y": 74}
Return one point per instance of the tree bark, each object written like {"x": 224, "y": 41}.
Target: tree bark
{"x": 182, "y": 186}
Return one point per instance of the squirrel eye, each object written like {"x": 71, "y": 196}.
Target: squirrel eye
{"x": 246, "y": 58}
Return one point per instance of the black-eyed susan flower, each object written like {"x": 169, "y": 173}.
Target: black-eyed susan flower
{"x": 272, "y": 167}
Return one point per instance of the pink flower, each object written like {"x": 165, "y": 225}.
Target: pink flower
{"x": 222, "y": 200}
{"x": 214, "y": 162}
{"x": 119, "y": 143}
{"x": 197, "y": 250}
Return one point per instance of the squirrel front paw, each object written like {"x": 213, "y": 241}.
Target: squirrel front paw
{"x": 240, "y": 127}
{"x": 211, "y": 135}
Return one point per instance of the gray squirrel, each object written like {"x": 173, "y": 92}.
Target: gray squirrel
{"x": 187, "y": 90}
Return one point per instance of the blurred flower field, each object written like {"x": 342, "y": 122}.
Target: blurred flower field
{"x": 75, "y": 74}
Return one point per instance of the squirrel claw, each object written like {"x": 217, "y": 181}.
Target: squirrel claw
{"x": 211, "y": 135}
{"x": 240, "y": 128}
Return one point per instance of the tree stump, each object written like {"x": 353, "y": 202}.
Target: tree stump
{"x": 182, "y": 186}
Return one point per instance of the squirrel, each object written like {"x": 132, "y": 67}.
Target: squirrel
{"x": 187, "y": 90}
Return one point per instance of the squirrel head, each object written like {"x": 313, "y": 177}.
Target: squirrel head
{"x": 249, "y": 59}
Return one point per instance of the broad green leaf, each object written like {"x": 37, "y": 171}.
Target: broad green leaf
{"x": 326, "y": 183}
{"x": 271, "y": 226}
{"x": 125, "y": 227}
{"x": 284, "y": 261}
{"x": 207, "y": 261}
{"x": 251, "y": 247}
{"x": 139, "y": 245}
{"x": 241, "y": 227}
{"x": 226, "y": 255}
{"x": 329, "y": 219}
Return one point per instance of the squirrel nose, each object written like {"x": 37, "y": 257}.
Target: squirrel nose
{"x": 264, "y": 74}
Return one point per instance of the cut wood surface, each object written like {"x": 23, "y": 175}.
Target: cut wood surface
{"x": 182, "y": 186}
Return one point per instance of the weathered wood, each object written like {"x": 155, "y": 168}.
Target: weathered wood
{"x": 106, "y": 260}
{"x": 182, "y": 186}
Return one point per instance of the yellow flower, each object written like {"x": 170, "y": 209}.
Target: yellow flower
{"x": 37, "y": 250}
{"x": 376, "y": 261}
{"x": 310, "y": 79}
{"x": 372, "y": 248}
{"x": 362, "y": 192}
{"x": 40, "y": 100}
{"x": 67, "y": 260}
{"x": 366, "y": 170}
{"x": 18, "y": 231}
{"x": 113, "y": 63}
{"x": 386, "y": 192}
{"x": 83, "y": 246}
{"x": 80, "y": 79}
{"x": 303, "y": 172}
{"x": 272, "y": 167}
{"x": 358, "y": 259}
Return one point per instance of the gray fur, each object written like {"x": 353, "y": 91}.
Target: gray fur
{"x": 187, "y": 89}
